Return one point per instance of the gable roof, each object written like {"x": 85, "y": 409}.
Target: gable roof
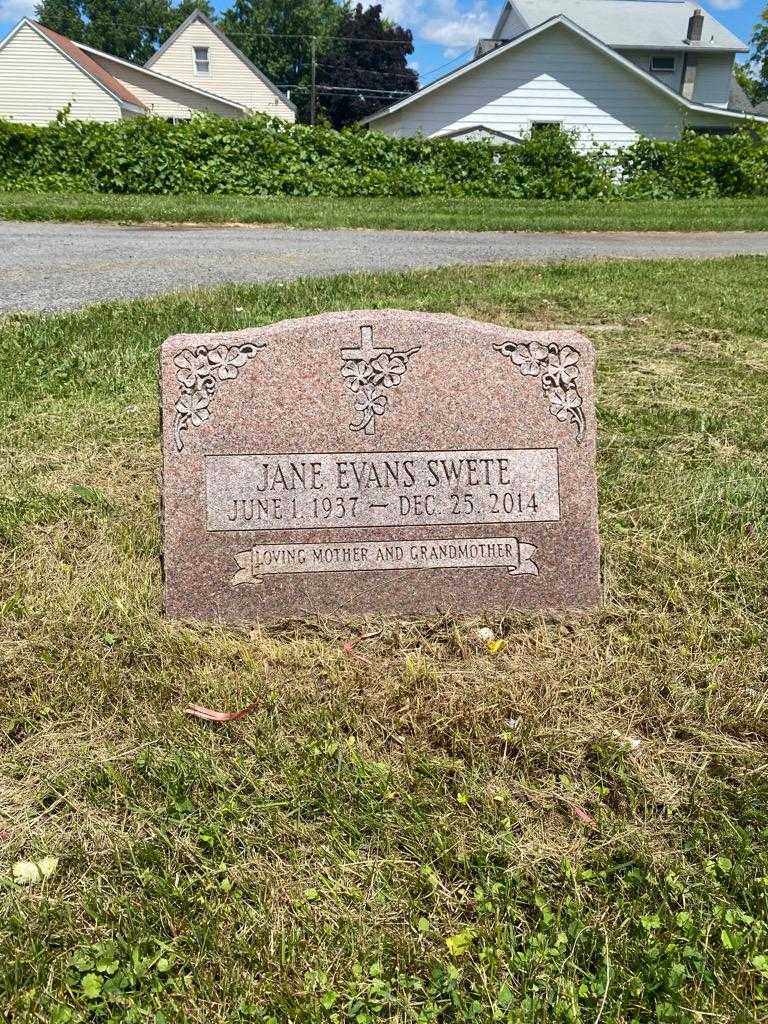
{"x": 644, "y": 24}
{"x": 546, "y": 26}
{"x": 86, "y": 64}
{"x": 496, "y": 134}
{"x": 156, "y": 74}
{"x": 198, "y": 15}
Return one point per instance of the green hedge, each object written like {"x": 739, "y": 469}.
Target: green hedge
{"x": 263, "y": 156}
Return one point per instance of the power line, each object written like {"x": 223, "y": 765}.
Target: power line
{"x": 439, "y": 67}
{"x": 371, "y": 71}
{"x": 347, "y": 88}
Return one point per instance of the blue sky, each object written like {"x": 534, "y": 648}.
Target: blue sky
{"x": 445, "y": 29}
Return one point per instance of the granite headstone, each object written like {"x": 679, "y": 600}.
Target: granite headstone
{"x": 378, "y": 461}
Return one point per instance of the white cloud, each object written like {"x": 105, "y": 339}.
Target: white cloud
{"x": 453, "y": 24}
{"x": 12, "y": 10}
{"x": 400, "y": 11}
{"x": 726, "y": 5}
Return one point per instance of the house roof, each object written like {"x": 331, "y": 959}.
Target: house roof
{"x": 198, "y": 15}
{"x": 645, "y": 24}
{"x": 546, "y": 26}
{"x": 156, "y": 74}
{"x": 480, "y": 129}
{"x": 738, "y": 99}
{"x": 87, "y": 64}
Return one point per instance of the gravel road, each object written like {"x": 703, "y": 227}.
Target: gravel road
{"x": 64, "y": 266}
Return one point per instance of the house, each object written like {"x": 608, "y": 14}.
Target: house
{"x": 42, "y": 72}
{"x": 610, "y": 70}
{"x": 200, "y": 54}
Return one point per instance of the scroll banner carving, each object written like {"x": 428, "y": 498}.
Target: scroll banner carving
{"x": 476, "y": 553}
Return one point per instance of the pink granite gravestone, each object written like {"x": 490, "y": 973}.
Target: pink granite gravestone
{"x": 378, "y": 461}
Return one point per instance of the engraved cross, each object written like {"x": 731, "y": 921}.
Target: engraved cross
{"x": 366, "y": 349}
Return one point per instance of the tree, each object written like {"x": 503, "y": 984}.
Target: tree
{"x": 759, "y": 59}
{"x": 63, "y": 16}
{"x": 131, "y": 29}
{"x": 276, "y": 35}
{"x": 369, "y": 55}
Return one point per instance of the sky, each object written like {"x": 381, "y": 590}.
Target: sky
{"x": 445, "y": 31}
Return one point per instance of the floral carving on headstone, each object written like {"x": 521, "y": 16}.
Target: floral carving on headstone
{"x": 200, "y": 371}
{"x": 557, "y": 368}
{"x": 368, "y": 372}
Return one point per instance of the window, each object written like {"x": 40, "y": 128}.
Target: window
{"x": 544, "y": 126}
{"x": 711, "y": 130}
{"x": 666, "y": 64}
{"x": 202, "y": 63}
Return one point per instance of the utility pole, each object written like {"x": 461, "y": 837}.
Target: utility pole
{"x": 313, "y": 100}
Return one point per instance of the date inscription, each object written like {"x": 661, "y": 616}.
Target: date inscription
{"x": 371, "y": 489}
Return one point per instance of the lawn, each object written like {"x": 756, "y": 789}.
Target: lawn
{"x": 408, "y": 827}
{"x": 434, "y": 213}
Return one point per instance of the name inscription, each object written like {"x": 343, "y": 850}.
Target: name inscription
{"x": 370, "y": 489}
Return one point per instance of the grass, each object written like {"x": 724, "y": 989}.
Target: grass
{"x": 412, "y": 829}
{"x": 433, "y": 213}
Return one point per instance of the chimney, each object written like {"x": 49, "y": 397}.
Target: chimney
{"x": 695, "y": 26}
{"x": 693, "y": 36}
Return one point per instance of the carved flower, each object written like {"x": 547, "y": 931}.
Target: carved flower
{"x": 193, "y": 368}
{"x": 194, "y": 406}
{"x": 370, "y": 402}
{"x": 529, "y": 357}
{"x": 562, "y": 366}
{"x": 357, "y": 374}
{"x": 389, "y": 369}
{"x": 564, "y": 403}
{"x": 225, "y": 361}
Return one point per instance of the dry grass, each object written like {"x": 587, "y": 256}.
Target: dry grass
{"x": 408, "y": 828}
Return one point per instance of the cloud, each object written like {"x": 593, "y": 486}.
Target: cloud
{"x": 401, "y": 11}
{"x": 455, "y": 29}
{"x": 726, "y": 5}
{"x": 453, "y": 24}
{"x": 12, "y": 10}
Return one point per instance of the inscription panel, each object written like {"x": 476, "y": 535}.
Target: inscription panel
{"x": 374, "y": 489}
{"x": 508, "y": 553}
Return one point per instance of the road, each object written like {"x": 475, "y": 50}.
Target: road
{"x": 65, "y": 266}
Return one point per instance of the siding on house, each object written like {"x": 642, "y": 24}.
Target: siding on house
{"x": 164, "y": 99}
{"x": 713, "y": 73}
{"x": 713, "y": 78}
{"x": 228, "y": 76}
{"x": 555, "y": 76}
{"x": 642, "y": 59}
{"x": 37, "y": 81}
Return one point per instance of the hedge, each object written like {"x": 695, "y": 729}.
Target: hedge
{"x": 264, "y": 156}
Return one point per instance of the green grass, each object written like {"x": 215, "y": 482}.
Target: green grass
{"x": 401, "y": 831}
{"x": 433, "y": 213}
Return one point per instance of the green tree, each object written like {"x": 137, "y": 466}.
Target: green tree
{"x": 131, "y": 29}
{"x": 64, "y": 16}
{"x": 276, "y": 35}
{"x": 365, "y": 67}
{"x": 758, "y": 62}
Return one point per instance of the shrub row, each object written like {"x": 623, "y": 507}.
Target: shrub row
{"x": 263, "y": 156}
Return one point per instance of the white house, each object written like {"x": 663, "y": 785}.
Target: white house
{"x": 610, "y": 70}
{"x": 199, "y": 53}
{"x": 42, "y": 72}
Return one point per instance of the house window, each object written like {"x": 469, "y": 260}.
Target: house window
{"x": 662, "y": 64}
{"x": 545, "y": 126}
{"x": 202, "y": 61}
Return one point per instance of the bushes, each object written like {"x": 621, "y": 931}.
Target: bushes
{"x": 262, "y": 156}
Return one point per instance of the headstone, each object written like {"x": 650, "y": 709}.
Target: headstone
{"x": 378, "y": 462}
